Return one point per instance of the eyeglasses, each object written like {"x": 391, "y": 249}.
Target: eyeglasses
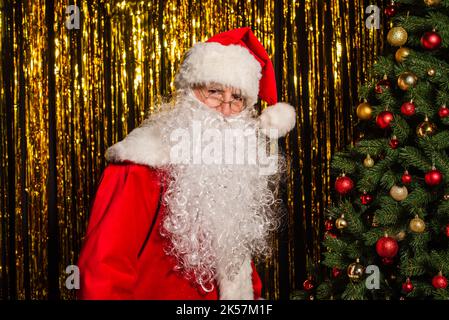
{"x": 215, "y": 98}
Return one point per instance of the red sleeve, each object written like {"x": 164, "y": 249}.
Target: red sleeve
{"x": 257, "y": 283}
{"x": 121, "y": 215}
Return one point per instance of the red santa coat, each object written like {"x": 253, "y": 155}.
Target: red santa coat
{"x": 123, "y": 253}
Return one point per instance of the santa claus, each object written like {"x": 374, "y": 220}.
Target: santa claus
{"x": 176, "y": 215}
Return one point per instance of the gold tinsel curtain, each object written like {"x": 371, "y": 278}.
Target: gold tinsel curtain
{"x": 68, "y": 94}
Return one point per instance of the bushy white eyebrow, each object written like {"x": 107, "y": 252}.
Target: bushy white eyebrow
{"x": 219, "y": 87}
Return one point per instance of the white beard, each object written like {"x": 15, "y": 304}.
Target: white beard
{"x": 218, "y": 215}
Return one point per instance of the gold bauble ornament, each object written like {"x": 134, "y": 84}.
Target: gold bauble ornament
{"x": 402, "y": 54}
{"x": 417, "y": 225}
{"x": 397, "y": 36}
{"x": 446, "y": 197}
{"x": 431, "y": 72}
{"x": 341, "y": 223}
{"x": 432, "y": 3}
{"x": 398, "y": 193}
{"x": 364, "y": 111}
{"x": 401, "y": 235}
{"x": 407, "y": 80}
{"x": 355, "y": 271}
{"x": 368, "y": 162}
{"x": 426, "y": 128}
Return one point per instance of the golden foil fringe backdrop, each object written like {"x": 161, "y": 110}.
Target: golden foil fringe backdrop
{"x": 68, "y": 94}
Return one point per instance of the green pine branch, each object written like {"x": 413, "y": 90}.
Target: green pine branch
{"x": 443, "y": 208}
{"x": 364, "y": 91}
{"x": 373, "y": 147}
{"x": 334, "y": 259}
{"x": 371, "y": 236}
{"x": 442, "y": 98}
{"x": 383, "y": 66}
{"x": 355, "y": 291}
{"x": 371, "y": 177}
{"x": 439, "y": 261}
{"x": 388, "y": 215}
{"x": 418, "y": 243}
{"x": 388, "y": 179}
{"x": 441, "y": 294}
{"x": 421, "y": 289}
{"x": 400, "y": 127}
{"x": 324, "y": 291}
{"x": 416, "y": 200}
{"x": 440, "y": 141}
{"x": 343, "y": 162}
{"x": 442, "y": 163}
{"x": 413, "y": 266}
{"x": 412, "y": 157}
{"x": 335, "y": 245}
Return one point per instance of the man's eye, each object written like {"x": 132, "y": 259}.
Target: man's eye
{"x": 215, "y": 92}
{"x": 237, "y": 97}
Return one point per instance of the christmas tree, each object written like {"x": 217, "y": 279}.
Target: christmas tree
{"x": 387, "y": 232}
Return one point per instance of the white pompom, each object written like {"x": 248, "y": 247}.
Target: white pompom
{"x": 277, "y": 120}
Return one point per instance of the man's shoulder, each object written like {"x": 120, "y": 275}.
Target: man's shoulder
{"x": 130, "y": 169}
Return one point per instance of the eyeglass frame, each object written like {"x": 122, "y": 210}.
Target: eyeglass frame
{"x": 203, "y": 90}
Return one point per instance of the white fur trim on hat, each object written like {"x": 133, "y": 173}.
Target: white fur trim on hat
{"x": 277, "y": 120}
{"x": 230, "y": 65}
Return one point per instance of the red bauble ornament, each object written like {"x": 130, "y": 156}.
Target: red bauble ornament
{"x": 391, "y": 10}
{"x": 407, "y": 286}
{"x": 408, "y": 108}
{"x": 366, "y": 198}
{"x": 336, "y": 272}
{"x": 439, "y": 281}
{"x": 433, "y": 177}
{"x": 343, "y": 184}
{"x": 447, "y": 230}
{"x": 394, "y": 143}
{"x": 383, "y": 119}
{"x": 431, "y": 40}
{"x": 308, "y": 285}
{"x": 328, "y": 225}
{"x": 387, "y": 247}
{"x": 443, "y": 112}
{"x": 382, "y": 85}
{"x": 406, "y": 178}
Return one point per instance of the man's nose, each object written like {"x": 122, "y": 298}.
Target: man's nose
{"x": 226, "y": 108}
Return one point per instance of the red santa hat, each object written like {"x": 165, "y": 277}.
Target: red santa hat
{"x": 236, "y": 58}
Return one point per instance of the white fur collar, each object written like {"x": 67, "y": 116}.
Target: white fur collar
{"x": 142, "y": 145}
